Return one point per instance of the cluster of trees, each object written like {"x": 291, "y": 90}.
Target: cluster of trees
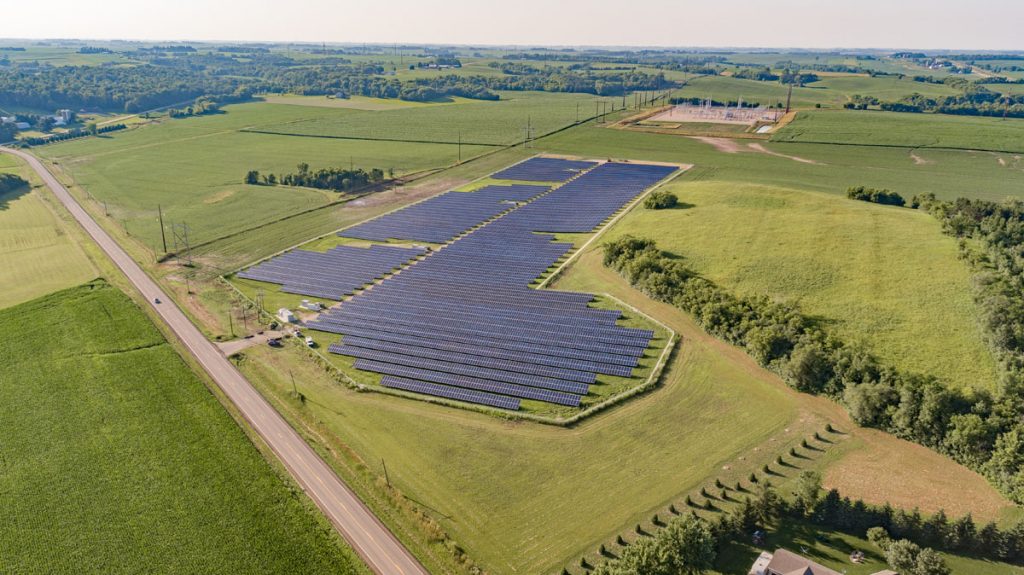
{"x": 982, "y": 430}
{"x": 10, "y": 182}
{"x": 336, "y": 179}
{"x": 202, "y": 105}
{"x": 660, "y": 199}
{"x": 875, "y": 196}
{"x": 907, "y": 557}
{"x": 90, "y": 130}
{"x": 787, "y": 76}
{"x": 976, "y": 100}
{"x": 94, "y": 50}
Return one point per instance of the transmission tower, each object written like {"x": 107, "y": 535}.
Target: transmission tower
{"x": 180, "y": 233}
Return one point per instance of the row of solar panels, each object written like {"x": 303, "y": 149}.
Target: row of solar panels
{"x": 464, "y": 319}
{"x": 444, "y": 217}
{"x": 332, "y": 274}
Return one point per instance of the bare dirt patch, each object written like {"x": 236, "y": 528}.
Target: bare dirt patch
{"x": 413, "y": 192}
{"x": 760, "y": 148}
{"x": 724, "y": 145}
{"x": 918, "y": 160}
{"x": 219, "y": 197}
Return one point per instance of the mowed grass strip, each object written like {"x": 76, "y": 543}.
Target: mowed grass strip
{"x": 36, "y": 254}
{"x": 117, "y": 459}
{"x": 871, "y": 128}
{"x": 883, "y": 276}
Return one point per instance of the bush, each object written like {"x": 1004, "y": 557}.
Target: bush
{"x": 660, "y": 200}
{"x": 875, "y": 196}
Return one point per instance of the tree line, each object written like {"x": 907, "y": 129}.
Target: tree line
{"x": 688, "y": 543}
{"x": 335, "y": 179}
{"x": 980, "y": 429}
{"x": 90, "y": 130}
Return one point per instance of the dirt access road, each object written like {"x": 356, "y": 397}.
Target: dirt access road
{"x": 368, "y": 536}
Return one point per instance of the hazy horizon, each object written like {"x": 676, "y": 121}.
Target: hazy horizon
{"x": 744, "y": 24}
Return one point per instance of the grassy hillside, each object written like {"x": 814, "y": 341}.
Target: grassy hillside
{"x": 36, "y": 255}
{"x": 116, "y": 458}
{"x": 883, "y": 276}
{"x": 193, "y": 168}
{"x": 905, "y": 130}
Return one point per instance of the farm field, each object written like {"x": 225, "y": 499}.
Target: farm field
{"x": 905, "y": 130}
{"x": 193, "y": 169}
{"x": 826, "y": 168}
{"x": 131, "y": 463}
{"x": 477, "y": 122}
{"x": 883, "y": 276}
{"x": 36, "y": 255}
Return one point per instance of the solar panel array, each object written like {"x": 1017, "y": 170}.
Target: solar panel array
{"x": 545, "y": 170}
{"x": 443, "y": 217}
{"x": 464, "y": 323}
{"x": 332, "y": 274}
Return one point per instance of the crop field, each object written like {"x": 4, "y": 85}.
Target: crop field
{"x": 478, "y": 122}
{"x": 905, "y": 130}
{"x": 36, "y": 255}
{"x": 884, "y": 276}
{"x": 193, "y": 169}
{"x": 131, "y": 464}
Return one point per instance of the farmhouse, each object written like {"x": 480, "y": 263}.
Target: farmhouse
{"x": 784, "y": 562}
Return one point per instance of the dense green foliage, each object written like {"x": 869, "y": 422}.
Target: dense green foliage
{"x": 660, "y": 200}
{"x": 337, "y": 179}
{"x": 683, "y": 547}
{"x": 117, "y": 459}
{"x": 875, "y": 196}
{"x": 980, "y": 430}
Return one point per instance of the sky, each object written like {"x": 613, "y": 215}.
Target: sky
{"x": 920, "y": 24}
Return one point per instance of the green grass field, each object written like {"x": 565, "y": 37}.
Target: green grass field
{"x": 479, "y": 122}
{"x": 947, "y": 173}
{"x": 117, "y": 459}
{"x": 871, "y": 128}
{"x": 36, "y": 254}
{"x": 193, "y": 169}
{"x": 883, "y": 276}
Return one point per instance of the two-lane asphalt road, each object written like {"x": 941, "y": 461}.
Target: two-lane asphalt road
{"x": 356, "y": 523}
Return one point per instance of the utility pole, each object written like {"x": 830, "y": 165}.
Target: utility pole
{"x": 577, "y": 112}
{"x": 231, "y": 321}
{"x": 163, "y": 235}
{"x": 295, "y": 389}
{"x": 460, "y": 146}
{"x": 386, "y": 478}
{"x": 789, "y": 97}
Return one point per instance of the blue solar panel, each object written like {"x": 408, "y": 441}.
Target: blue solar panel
{"x": 449, "y": 392}
{"x": 465, "y": 318}
{"x": 441, "y": 218}
{"x": 331, "y": 274}
{"x": 545, "y": 170}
